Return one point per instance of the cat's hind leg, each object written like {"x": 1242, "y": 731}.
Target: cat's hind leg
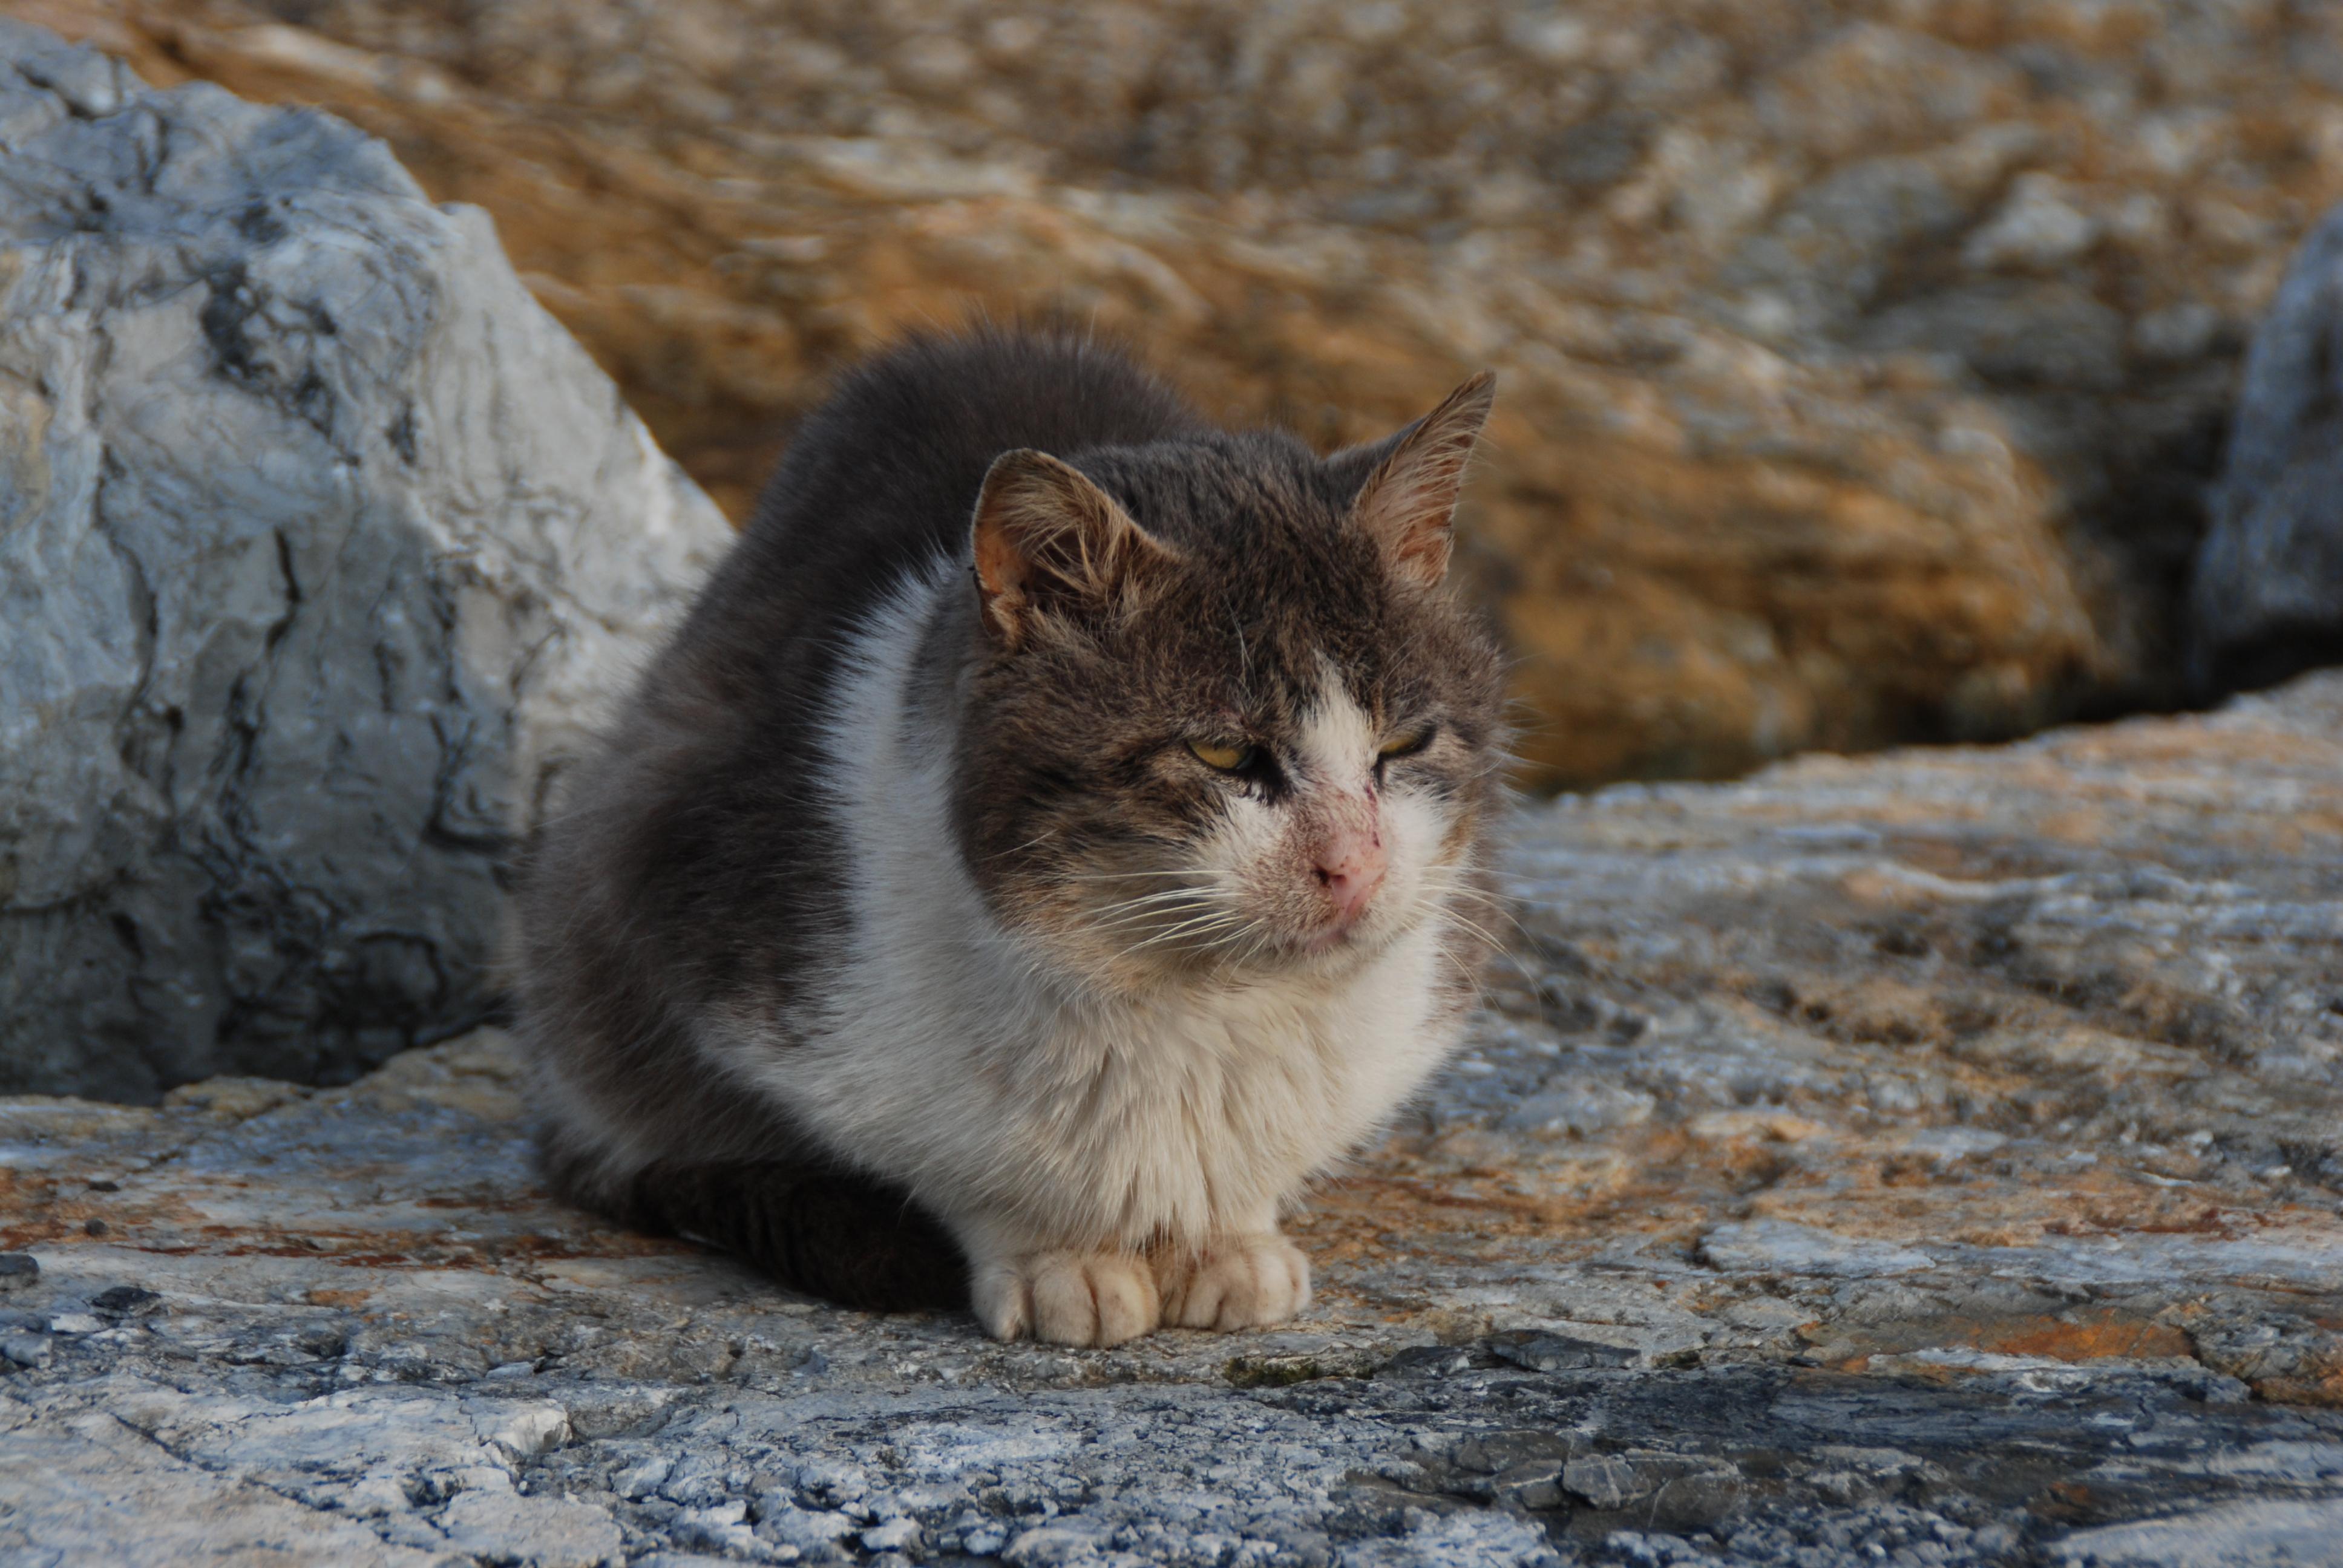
{"x": 832, "y": 1233}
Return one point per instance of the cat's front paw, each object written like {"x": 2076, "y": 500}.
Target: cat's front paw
{"x": 1237, "y": 1283}
{"x": 1067, "y": 1298}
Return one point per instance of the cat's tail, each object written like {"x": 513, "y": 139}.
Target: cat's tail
{"x": 825, "y": 1231}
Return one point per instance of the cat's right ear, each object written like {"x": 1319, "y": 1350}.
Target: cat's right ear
{"x": 1047, "y": 538}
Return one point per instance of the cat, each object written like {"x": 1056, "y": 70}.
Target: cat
{"x": 1048, "y": 842}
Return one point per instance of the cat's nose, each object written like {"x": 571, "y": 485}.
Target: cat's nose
{"x": 1351, "y": 868}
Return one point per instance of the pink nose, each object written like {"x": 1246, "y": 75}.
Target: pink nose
{"x": 1351, "y": 868}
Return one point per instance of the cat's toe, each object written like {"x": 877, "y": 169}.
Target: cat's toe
{"x": 1069, "y": 1299}
{"x": 1241, "y": 1284}
{"x": 1004, "y": 1300}
{"x": 1091, "y": 1299}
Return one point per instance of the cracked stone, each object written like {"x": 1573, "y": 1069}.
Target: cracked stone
{"x": 324, "y": 548}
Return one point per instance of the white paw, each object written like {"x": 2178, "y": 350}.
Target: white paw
{"x": 1238, "y": 1283}
{"x": 1067, "y": 1298}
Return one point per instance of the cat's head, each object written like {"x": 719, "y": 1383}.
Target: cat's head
{"x": 1224, "y": 717}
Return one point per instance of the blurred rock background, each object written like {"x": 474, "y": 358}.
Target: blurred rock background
{"x": 1864, "y": 364}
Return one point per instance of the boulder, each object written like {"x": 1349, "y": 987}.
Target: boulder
{"x": 322, "y": 545}
{"x": 2266, "y": 599}
{"x": 1863, "y": 365}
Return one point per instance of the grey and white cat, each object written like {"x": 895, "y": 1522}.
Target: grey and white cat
{"x": 1050, "y": 842}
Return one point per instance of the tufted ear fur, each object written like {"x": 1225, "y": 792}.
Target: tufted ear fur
{"x": 1047, "y": 538}
{"x": 1408, "y": 500}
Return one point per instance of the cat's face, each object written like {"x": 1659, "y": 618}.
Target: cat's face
{"x": 1227, "y": 721}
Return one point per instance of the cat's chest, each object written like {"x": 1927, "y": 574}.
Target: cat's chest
{"x": 1252, "y": 1088}
{"x": 1317, "y": 1040}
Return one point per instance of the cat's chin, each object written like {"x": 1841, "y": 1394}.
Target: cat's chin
{"x": 1332, "y": 939}
{"x": 1336, "y": 949}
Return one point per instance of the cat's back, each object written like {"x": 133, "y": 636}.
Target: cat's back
{"x": 705, "y": 840}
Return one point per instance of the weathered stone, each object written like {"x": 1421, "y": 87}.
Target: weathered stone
{"x": 1556, "y": 1353}
{"x": 1863, "y": 364}
{"x": 2267, "y": 596}
{"x": 321, "y": 548}
{"x": 1984, "y": 1209}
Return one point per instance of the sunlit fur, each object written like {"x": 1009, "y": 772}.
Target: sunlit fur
{"x": 1073, "y": 991}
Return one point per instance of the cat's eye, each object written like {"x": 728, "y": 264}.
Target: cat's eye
{"x": 1407, "y": 745}
{"x": 1226, "y": 758}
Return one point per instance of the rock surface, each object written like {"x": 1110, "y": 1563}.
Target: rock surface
{"x": 1926, "y": 1160}
{"x": 2267, "y": 596}
{"x": 1862, "y": 362}
{"x": 321, "y": 546}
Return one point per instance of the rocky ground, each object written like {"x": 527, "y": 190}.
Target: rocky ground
{"x": 1931, "y": 1159}
{"x": 1863, "y": 361}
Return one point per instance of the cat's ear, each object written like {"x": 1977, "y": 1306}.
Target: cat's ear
{"x": 1407, "y": 500}
{"x": 1047, "y": 537}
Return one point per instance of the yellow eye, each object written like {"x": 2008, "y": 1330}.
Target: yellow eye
{"x": 1408, "y": 745}
{"x": 1227, "y": 759}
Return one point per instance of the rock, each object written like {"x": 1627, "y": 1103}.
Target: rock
{"x": 123, "y": 1299}
{"x": 1982, "y": 1208}
{"x": 25, "y": 1349}
{"x": 540, "y": 1532}
{"x": 1863, "y": 366}
{"x": 324, "y": 547}
{"x": 2270, "y": 1532}
{"x": 1556, "y": 1353}
{"x": 2267, "y": 593}
{"x": 1771, "y": 1246}
{"x": 18, "y": 1270}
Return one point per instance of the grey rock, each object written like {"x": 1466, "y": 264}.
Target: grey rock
{"x": 322, "y": 547}
{"x": 2265, "y": 599}
{"x": 1775, "y": 1246}
{"x": 18, "y": 1270}
{"x": 2234, "y": 1535}
{"x": 25, "y": 1349}
{"x": 540, "y": 1532}
{"x": 123, "y": 1299}
{"x": 1557, "y": 1352}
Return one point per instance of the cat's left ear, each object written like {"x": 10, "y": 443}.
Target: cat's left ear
{"x": 1408, "y": 499}
{"x": 1047, "y": 538}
